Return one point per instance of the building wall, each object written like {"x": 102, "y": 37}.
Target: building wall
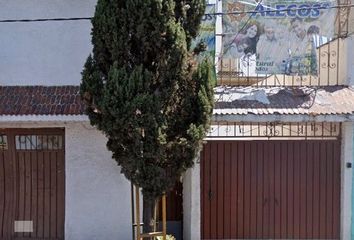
{"x": 346, "y": 183}
{"x": 97, "y": 196}
{"x": 350, "y": 59}
{"x": 352, "y": 195}
{"x": 191, "y": 203}
{"x": 44, "y": 53}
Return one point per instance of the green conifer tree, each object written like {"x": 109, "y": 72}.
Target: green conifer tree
{"x": 145, "y": 92}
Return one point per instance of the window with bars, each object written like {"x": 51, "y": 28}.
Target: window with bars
{"x": 3, "y": 142}
{"x": 39, "y": 142}
{"x": 300, "y": 130}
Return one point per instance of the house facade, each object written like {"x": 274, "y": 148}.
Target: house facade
{"x": 277, "y": 162}
{"x": 79, "y": 193}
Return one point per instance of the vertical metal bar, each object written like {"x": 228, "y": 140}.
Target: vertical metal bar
{"x": 218, "y": 132}
{"x": 155, "y": 214}
{"x": 328, "y": 61}
{"x": 137, "y": 206}
{"x": 322, "y": 126}
{"x": 348, "y": 8}
{"x": 227, "y": 129}
{"x": 243, "y": 127}
{"x": 319, "y": 66}
{"x": 133, "y": 212}
{"x": 251, "y": 129}
{"x": 340, "y": 130}
{"x": 230, "y": 70}
{"x": 164, "y": 226}
{"x": 219, "y": 79}
{"x": 339, "y": 10}
{"x": 248, "y": 72}
{"x": 338, "y": 54}
{"x": 331, "y": 127}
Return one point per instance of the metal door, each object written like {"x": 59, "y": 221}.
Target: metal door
{"x": 32, "y": 184}
{"x": 271, "y": 189}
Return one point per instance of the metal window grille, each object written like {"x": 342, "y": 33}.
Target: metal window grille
{"x": 3, "y": 142}
{"x": 275, "y": 130}
{"x": 39, "y": 142}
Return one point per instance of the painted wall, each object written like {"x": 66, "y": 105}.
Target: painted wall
{"x": 44, "y": 53}
{"x": 352, "y": 161}
{"x": 53, "y": 53}
{"x": 350, "y": 59}
{"x": 97, "y": 196}
{"x": 191, "y": 203}
{"x": 346, "y": 180}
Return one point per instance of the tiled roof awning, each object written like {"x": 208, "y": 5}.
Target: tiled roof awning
{"x": 40, "y": 100}
{"x": 284, "y": 101}
{"x": 65, "y": 100}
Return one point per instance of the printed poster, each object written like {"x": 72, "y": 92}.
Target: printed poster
{"x": 277, "y": 36}
{"x": 207, "y": 33}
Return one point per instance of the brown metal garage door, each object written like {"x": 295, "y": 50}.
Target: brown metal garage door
{"x": 271, "y": 189}
{"x": 32, "y": 183}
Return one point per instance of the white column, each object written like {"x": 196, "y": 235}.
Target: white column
{"x": 191, "y": 203}
{"x": 349, "y": 60}
{"x": 347, "y": 179}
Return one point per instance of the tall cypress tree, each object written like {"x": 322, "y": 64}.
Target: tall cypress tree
{"x": 145, "y": 92}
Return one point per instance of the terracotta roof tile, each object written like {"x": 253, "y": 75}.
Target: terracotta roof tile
{"x": 65, "y": 100}
{"x": 40, "y": 100}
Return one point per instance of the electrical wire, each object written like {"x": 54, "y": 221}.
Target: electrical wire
{"x": 282, "y": 10}
{"x": 44, "y": 20}
{"x": 209, "y": 14}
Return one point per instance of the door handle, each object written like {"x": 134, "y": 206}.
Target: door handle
{"x": 210, "y": 195}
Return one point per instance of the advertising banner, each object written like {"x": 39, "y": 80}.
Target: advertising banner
{"x": 277, "y": 36}
{"x": 207, "y": 33}
{"x": 207, "y": 36}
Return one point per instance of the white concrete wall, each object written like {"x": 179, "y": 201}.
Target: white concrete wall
{"x": 350, "y": 59}
{"x": 44, "y": 53}
{"x": 346, "y": 180}
{"x": 191, "y": 203}
{"x": 97, "y": 196}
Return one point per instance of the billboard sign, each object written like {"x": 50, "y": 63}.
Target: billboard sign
{"x": 207, "y": 36}
{"x": 277, "y": 36}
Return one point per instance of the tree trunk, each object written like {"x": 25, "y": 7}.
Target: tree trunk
{"x": 148, "y": 215}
